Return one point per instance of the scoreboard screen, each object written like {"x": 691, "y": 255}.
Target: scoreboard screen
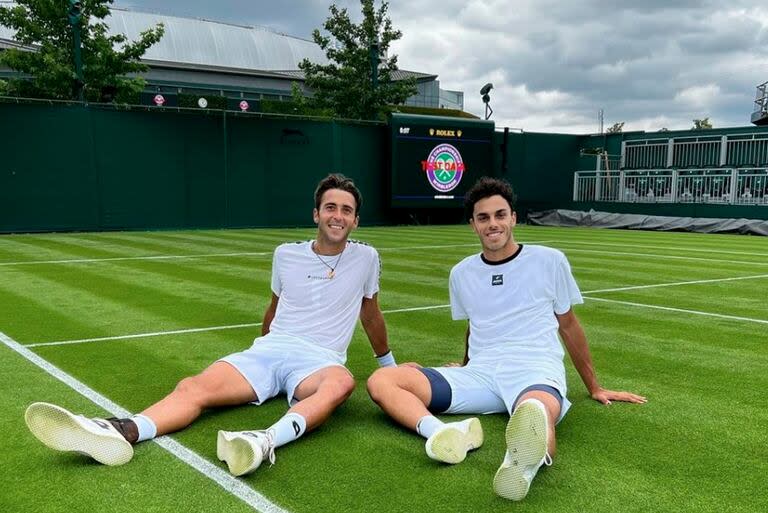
{"x": 435, "y": 160}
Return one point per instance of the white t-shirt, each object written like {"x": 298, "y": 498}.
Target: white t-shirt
{"x": 315, "y": 307}
{"x": 511, "y": 305}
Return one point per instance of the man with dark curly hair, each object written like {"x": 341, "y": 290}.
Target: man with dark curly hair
{"x": 517, "y": 299}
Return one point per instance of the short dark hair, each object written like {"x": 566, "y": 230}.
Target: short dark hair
{"x": 486, "y": 187}
{"x": 341, "y": 182}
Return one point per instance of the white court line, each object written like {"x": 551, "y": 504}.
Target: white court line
{"x": 674, "y": 284}
{"x": 671, "y": 257}
{"x": 228, "y": 482}
{"x": 195, "y": 330}
{"x": 142, "y": 335}
{"x": 407, "y": 248}
{"x": 672, "y": 248}
{"x": 681, "y": 310}
{"x": 413, "y": 309}
{"x": 671, "y": 284}
{"x": 201, "y": 255}
{"x": 205, "y": 255}
{"x": 117, "y": 259}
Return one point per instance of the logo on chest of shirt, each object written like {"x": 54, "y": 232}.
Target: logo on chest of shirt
{"x": 318, "y": 277}
{"x": 497, "y": 279}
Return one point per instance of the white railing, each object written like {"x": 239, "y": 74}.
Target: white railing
{"x": 699, "y": 151}
{"x": 732, "y": 186}
{"x": 646, "y": 154}
{"x": 751, "y": 187}
{"x": 749, "y": 149}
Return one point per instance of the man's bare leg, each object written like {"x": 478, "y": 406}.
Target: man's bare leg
{"x": 404, "y": 394}
{"x": 321, "y": 393}
{"x": 318, "y": 396}
{"x": 218, "y": 385}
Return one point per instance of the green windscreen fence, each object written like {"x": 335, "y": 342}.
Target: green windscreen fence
{"x": 48, "y": 180}
{"x": 539, "y": 166}
{"x": 74, "y": 167}
{"x": 92, "y": 168}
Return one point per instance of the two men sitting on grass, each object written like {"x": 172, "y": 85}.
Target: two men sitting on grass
{"x": 516, "y": 298}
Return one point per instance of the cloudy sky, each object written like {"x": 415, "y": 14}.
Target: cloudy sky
{"x": 554, "y": 64}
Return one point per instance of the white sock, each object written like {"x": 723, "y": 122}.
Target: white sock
{"x": 290, "y": 427}
{"x": 427, "y": 425}
{"x": 147, "y": 428}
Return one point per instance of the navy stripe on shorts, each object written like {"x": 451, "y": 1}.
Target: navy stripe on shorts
{"x": 542, "y": 388}
{"x": 441, "y": 391}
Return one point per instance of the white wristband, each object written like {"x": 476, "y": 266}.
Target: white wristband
{"x": 386, "y": 360}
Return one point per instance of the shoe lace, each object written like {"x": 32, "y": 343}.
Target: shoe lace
{"x": 269, "y": 446}
{"x": 547, "y": 460}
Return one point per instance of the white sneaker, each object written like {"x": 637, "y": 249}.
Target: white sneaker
{"x": 245, "y": 450}
{"x": 61, "y": 430}
{"x": 526, "y": 436}
{"x": 452, "y": 441}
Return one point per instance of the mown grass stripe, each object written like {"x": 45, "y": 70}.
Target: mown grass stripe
{"x": 203, "y": 255}
{"x": 144, "y": 335}
{"x": 680, "y": 310}
{"x": 697, "y": 249}
{"x": 386, "y": 249}
{"x": 432, "y": 307}
{"x": 673, "y": 257}
{"x": 191, "y": 458}
{"x": 197, "y": 330}
{"x": 149, "y": 257}
{"x": 675, "y": 284}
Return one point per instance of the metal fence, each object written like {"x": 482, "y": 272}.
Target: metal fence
{"x": 736, "y": 186}
{"x": 701, "y": 151}
{"x": 696, "y": 151}
{"x": 747, "y": 150}
{"x": 648, "y": 154}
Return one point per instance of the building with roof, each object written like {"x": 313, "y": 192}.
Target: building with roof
{"x": 198, "y": 56}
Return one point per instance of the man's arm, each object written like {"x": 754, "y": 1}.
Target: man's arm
{"x": 269, "y": 314}
{"x": 576, "y": 343}
{"x": 374, "y": 325}
{"x": 466, "y": 347}
{"x": 466, "y": 353}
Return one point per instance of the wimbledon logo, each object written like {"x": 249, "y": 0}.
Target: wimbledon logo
{"x": 444, "y": 167}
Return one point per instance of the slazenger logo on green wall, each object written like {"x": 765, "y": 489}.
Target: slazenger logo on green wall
{"x": 444, "y": 167}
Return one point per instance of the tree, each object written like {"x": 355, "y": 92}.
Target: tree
{"x": 107, "y": 60}
{"x": 346, "y": 84}
{"x": 702, "y": 124}
{"x": 616, "y": 128}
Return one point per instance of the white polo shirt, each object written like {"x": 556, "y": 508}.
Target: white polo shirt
{"x": 511, "y": 305}
{"x": 315, "y": 307}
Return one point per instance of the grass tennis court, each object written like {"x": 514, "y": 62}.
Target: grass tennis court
{"x": 678, "y": 317}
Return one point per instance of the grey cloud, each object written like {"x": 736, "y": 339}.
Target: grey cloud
{"x": 631, "y": 58}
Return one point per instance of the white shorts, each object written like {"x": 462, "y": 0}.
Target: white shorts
{"x": 494, "y": 388}
{"x": 277, "y": 364}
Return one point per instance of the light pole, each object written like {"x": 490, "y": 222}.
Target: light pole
{"x": 75, "y": 16}
{"x": 487, "y": 99}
